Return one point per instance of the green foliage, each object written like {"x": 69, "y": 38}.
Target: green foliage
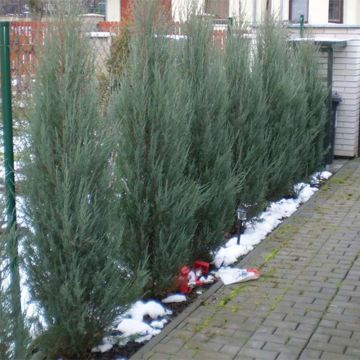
{"x": 210, "y": 157}
{"x": 316, "y": 97}
{"x": 158, "y": 201}
{"x": 287, "y": 108}
{"x": 247, "y": 115}
{"x": 74, "y": 257}
{"x": 119, "y": 53}
{"x": 109, "y": 80}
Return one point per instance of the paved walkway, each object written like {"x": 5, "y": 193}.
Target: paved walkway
{"x": 306, "y": 305}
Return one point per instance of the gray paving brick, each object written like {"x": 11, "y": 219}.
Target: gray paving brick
{"x": 230, "y": 349}
{"x": 257, "y": 354}
{"x": 308, "y": 354}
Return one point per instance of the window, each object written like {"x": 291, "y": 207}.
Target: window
{"x": 336, "y": 11}
{"x": 218, "y": 8}
{"x": 297, "y": 8}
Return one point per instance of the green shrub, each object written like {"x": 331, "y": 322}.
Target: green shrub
{"x": 287, "y": 108}
{"x": 157, "y": 201}
{"x": 316, "y": 96}
{"x": 74, "y": 257}
{"x": 210, "y": 156}
{"x": 247, "y": 115}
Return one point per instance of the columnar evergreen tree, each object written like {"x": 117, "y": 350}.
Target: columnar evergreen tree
{"x": 287, "y": 108}
{"x": 210, "y": 157}
{"x": 157, "y": 200}
{"x": 316, "y": 95}
{"x": 74, "y": 258}
{"x": 247, "y": 115}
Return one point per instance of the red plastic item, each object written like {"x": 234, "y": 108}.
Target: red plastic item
{"x": 182, "y": 281}
{"x": 202, "y": 265}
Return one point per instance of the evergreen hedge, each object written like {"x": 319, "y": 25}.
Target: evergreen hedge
{"x": 191, "y": 132}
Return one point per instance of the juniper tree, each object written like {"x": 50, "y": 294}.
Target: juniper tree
{"x": 306, "y": 54}
{"x": 287, "y": 108}
{"x": 210, "y": 156}
{"x": 247, "y": 115}
{"x": 74, "y": 259}
{"x": 157, "y": 201}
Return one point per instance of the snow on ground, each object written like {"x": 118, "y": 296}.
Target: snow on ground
{"x": 256, "y": 231}
{"x": 176, "y": 298}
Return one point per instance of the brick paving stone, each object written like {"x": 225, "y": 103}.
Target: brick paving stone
{"x": 307, "y": 304}
{"x": 308, "y": 354}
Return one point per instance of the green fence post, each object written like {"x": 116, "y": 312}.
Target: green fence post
{"x": 230, "y": 23}
{"x": 12, "y": 243}
{"x": 302, "y": 20}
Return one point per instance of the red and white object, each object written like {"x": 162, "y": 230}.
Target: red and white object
{"x": 233, "y": 275}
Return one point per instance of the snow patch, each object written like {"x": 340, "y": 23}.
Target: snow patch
{"x": 177, "y": 298}
{"x": 150, "y": 308}
{"x": 102, "y": 348}
{"x": 257, "y": 231}
{"x": 130, "y": 327}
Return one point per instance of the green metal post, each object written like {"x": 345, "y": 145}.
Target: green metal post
{"x": 331, "y": 121}
{"x": 12, "y": 245}
{"x": 302, "y": 20}
{"x": 230, "y": 23}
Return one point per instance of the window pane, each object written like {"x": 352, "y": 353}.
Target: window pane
{"x": 299, "y": 7}
{"x": 335, "y": 10}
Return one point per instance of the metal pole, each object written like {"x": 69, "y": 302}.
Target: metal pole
{"x": 12, "y": 243}
{"x": 302, "y": 20}
{"x": 230, "y": 23}
{"x": 331, "y": 122}
{"x": 7, "y": 120}
{"x": 239, "y": 232}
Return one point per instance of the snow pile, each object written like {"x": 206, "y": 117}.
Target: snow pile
{"x": 272, "y": 217}
{"x": 132, "y": 325}
{"x": 318, "y": 177}
{"x": 151, "y": 308}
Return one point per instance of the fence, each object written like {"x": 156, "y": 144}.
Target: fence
{"x": 27, "y": 37}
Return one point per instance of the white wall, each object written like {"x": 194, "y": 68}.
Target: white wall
{"x": 113, "y": 10}
{"x": 352, "y": 12}
{"x": 346, "y": 81}
{"x": 181, "y": 8}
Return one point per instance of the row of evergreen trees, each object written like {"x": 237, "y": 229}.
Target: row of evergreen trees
{"x": 117, "y": 202}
